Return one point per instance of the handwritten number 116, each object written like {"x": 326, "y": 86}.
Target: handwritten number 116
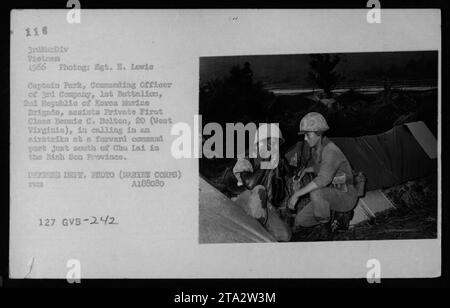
{"x": 36, "y": 32}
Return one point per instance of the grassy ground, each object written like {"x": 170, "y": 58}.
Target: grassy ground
{"x": 415, "y": 217}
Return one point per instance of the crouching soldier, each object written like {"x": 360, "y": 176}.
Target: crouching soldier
{"x": 332, "y": 189}
{"x": 263, "y": 182}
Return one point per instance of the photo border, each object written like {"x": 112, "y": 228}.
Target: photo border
{"x": 177, "y": 285}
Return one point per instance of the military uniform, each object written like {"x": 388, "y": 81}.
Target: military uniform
{"x": 261, "y": 201}
{"x": 334, "y": 178}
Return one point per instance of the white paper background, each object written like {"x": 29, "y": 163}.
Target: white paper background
{"x": 158, "y": 232}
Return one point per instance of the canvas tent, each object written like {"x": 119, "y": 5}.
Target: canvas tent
{"x": 405, "y": 152}
{"x": 223, "y": 221}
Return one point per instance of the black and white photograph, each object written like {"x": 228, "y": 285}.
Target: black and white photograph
{"x": 357, "y": 135}
{"x": 225, "y": 146}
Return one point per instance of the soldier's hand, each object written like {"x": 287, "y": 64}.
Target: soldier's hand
{"x": 292, "y": 202}
{"x": 299, "y": 175}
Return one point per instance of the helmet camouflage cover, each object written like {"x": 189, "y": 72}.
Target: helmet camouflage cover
{"x": 313, "y": 122}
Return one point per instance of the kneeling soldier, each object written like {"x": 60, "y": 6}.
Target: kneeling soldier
{"x": 332, "y": 188}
